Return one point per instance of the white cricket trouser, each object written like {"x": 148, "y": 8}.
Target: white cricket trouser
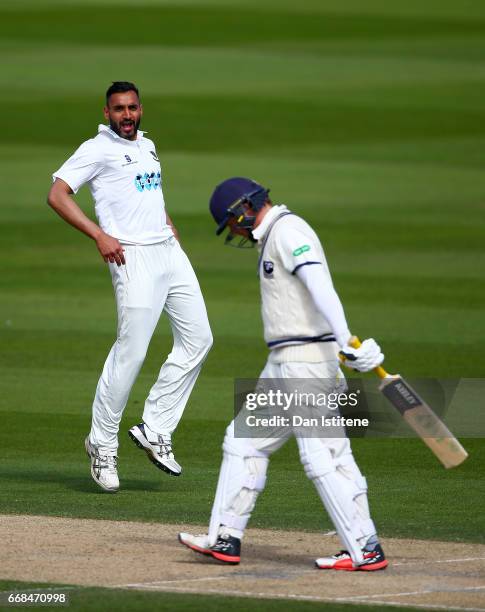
{"x": 156, "y": 278}
{"x": 328, "y": 462}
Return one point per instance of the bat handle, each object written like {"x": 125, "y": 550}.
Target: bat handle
{"x": 354, "y": 342}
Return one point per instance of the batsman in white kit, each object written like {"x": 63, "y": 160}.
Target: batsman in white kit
{"x": 305, "y": 329}
{"x": 151, "y": 274}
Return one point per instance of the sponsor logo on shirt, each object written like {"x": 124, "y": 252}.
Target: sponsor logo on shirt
{"x": 148, "y": 181}
{"x": 129, "y": 161}
{"x": 301, "y": 250}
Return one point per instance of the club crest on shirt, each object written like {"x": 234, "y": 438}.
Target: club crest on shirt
{"x": 268, "y": 267}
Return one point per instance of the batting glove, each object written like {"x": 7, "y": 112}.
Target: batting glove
{"x": 365, "y": 358}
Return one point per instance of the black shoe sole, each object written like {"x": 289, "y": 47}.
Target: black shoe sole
{"x": 151, "y": 457}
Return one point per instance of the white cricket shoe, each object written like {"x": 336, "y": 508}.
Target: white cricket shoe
{"x": 157, "y": 447}
{"x": 198, "y": 543}
{"x": 373, "y": 560}
{"x": 226, "y": 549}
{"x": 103, "y": 467}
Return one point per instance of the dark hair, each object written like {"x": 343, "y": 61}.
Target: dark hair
{"x": 121, "y": 87}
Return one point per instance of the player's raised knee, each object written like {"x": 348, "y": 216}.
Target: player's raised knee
{"x": 202, "y": 343}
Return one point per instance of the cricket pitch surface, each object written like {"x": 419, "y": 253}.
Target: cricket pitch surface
{"x": 274, "y": 564}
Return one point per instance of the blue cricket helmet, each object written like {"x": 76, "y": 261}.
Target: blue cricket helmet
{"x": 229, "y": 198}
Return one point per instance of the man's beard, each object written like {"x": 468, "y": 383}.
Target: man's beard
{"x": 116, "y": 127}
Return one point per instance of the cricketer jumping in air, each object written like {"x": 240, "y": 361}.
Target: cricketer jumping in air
{"x": 150, "y": 273}
{"x": 304, "y": 328}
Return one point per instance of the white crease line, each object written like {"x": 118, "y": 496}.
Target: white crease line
{"x": 251, "y": 594}
{"x": 161, "y": 582}
{"x": 441, "y": 561}
{"x": 322, "y": 599}
{"x": 362, "y": 597}
{"x": 424, "y": 592}
{"x": 207, "y": 578}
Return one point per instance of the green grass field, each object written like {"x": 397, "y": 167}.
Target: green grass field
{"x": 365, "y": 118}
{"x": 83, "y": 599}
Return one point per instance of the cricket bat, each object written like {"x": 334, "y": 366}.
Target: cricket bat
{"x": 419, "y": 416}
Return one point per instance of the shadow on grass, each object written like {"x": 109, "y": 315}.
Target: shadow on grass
{"x": 86, "y": 486}
{"x": 83, "y": 484}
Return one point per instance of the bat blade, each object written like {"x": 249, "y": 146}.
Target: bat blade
{"x": 419, "y": 416}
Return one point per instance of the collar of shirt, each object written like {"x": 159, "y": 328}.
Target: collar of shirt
{"x": 268, "y": 218}
{"x": 106, "y": 128}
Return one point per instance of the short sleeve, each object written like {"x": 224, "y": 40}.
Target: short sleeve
{"x": 297, "y": 249}
{"x": 83, "y": 165}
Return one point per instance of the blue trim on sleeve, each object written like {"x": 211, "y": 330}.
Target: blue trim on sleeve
{"x": 306, "y": 263}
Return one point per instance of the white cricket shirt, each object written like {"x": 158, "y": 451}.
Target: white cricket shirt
{"x": 125, "y": 180}
{"x": 290, "y": 316}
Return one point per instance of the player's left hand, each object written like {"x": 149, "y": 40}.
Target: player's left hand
{"x": 365, "y": 358}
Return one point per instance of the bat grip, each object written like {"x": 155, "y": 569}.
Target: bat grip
{"x": 354, "y": 342}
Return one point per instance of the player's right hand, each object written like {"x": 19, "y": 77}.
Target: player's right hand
{"x": 365, "y": 358}
{"x": 110, "y": 249}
